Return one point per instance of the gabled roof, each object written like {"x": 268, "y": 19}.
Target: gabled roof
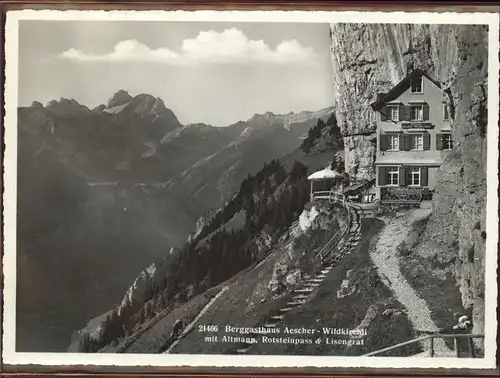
{"x": 358, "y": 185}
{"x": 402, "y": 86}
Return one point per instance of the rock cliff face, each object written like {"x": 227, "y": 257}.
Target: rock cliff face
{"x": 368, "y": 59}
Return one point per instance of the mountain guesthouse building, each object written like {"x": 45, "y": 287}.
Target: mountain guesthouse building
{"x": 413, "y": 139}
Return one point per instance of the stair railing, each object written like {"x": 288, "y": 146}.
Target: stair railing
{"x": 431, "y": 338}
{"x": 327, "y": 245}
{"x": 330, "y": 245}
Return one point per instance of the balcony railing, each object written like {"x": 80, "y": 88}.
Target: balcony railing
{"x": 400, "y": 194}
{"x": 343, "y": 200}
{"x": 328, "y": 195}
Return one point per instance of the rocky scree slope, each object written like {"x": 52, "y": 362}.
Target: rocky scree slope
{"x": 370, "y": 59}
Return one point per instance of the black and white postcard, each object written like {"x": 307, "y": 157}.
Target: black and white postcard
{"x": 257, "y": 188}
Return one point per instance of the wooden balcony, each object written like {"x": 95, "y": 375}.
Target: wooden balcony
{"x": 329, "y": 195}
{"x": 401, "y": 194}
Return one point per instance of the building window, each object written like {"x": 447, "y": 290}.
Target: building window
{"x": 394, "y": 113}
{"x": 417, "y": 142}
{"x": 447, "y": 142}
{"x": 392, "y": 176}
{"x": 417, "y": 112}
{"x": 416, "y": 84}
{"x": 446, "y": 113}
{"x": 414, "y": 177}
{"x": 393, "y": 142}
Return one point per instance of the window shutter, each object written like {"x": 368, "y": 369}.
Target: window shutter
{"x": 427, "y": 141}
{"x": 426, "y": 112}
{"x": 439, "y": 141}
{"x": 383, "y": 114}
{"x": 404, "y": 113}
{"x": 406, "y": 144}
{"x": 383, "y": 142}
{"x": 402, "y": 176}
{"x": 382, "y": 176}
{"x": 424, "y": 176}
{"x": 401, "y": 141}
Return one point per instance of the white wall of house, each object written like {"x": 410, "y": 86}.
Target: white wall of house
{"x": 409, "y": 140}
{"x": 432, "y": 97}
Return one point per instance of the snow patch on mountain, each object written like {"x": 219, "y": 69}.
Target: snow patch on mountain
{"x": 116, "y": 109}
{"x": 241, "y": 138}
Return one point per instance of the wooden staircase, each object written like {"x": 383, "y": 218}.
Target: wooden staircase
{"x": 338, "y": 247}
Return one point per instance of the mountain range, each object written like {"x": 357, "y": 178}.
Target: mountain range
{"x": 103, "y": 192}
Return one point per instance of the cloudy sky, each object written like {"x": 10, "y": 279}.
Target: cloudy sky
{"x": 216, "y": 73}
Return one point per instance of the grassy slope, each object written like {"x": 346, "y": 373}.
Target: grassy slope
{"x": 233, "y": 301}
{"x": 245, "y": 303}
{"x": 248, "y": 303}
{"x": 152, "y": 336}
{"x": 370, "y": 295}
{"x": 240, "y": 306}
{"x": 325, "y": 309}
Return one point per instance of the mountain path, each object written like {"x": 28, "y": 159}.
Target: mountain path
{"x": 386, "y": 258}
{"x": 191, "y": 325}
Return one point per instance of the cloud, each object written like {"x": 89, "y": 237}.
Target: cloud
{"x": 229, "y": 46}
{"x": 130, "y": 50}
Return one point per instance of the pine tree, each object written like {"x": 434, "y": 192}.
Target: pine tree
{"x": 295, "y": 201}
{"x": 163, "y": 301}
{"x": 106, "y": 330}
{"x": 267, "y": 187}
{"x": 298, "y": 172}
{"x": 93, "y": 345}
{"x": 148, "y": 310}
{"x": 85, "y": 343}
{"x": 141, "y": 316}
{"x": 334, "y": 164}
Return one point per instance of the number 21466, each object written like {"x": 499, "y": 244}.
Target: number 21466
{"x": 208, "y": 328}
